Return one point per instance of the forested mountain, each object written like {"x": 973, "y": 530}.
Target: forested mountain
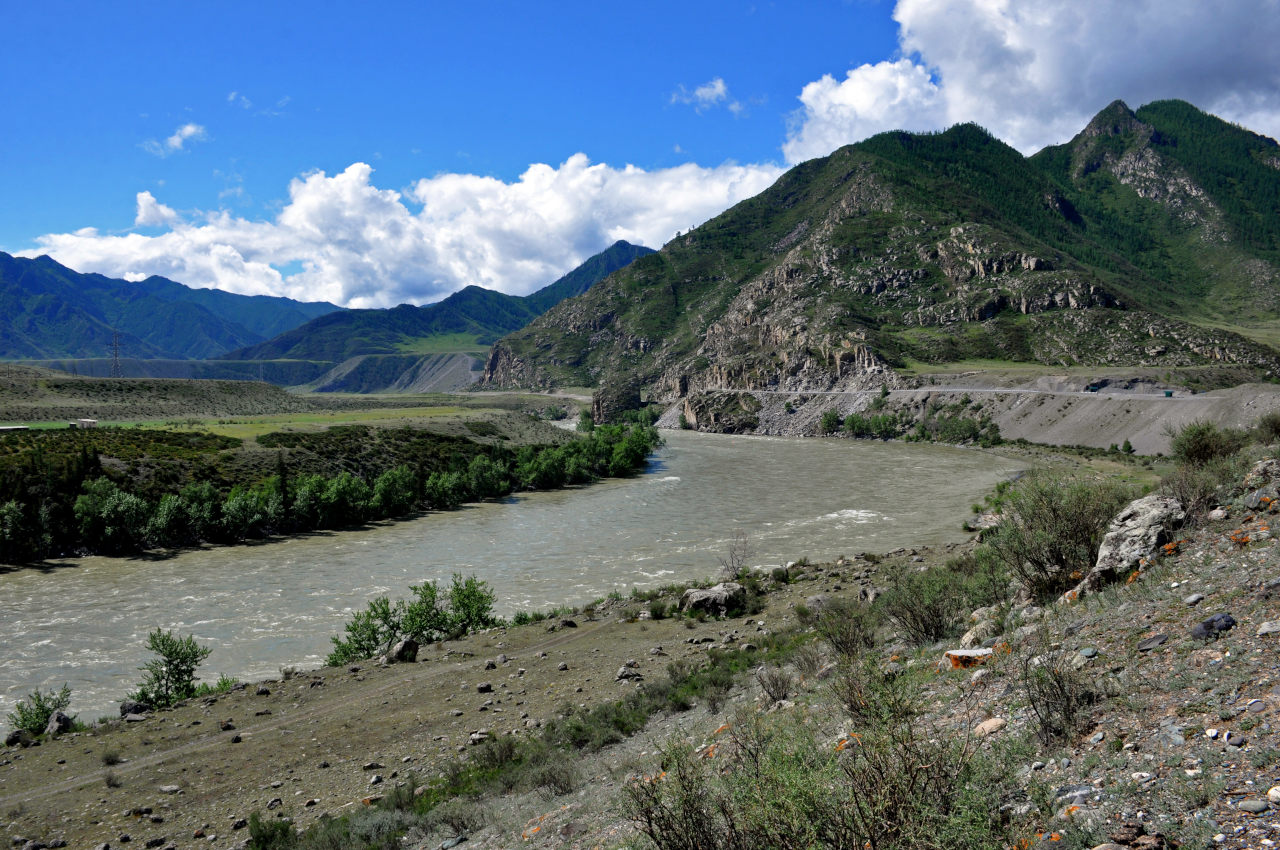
{"x": 49, "y": 311}
{"x": 1150, "y": 239}
{"x": 468, "y": 320}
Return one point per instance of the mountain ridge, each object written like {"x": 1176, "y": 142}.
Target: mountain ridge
{"x": 931, "y": 247}
{"x": 48, "y": 310}
{"x": 478, "y": 314}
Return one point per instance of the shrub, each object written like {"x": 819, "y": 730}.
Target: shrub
{"x": 32, "y": 714}
{"x": 778, "y": 787}
{"x": 1199, "y": 487}
{"x": 775, "y": 682}
{"x": 1053, "y": 525}
{"x": 270, "y": 834}
{"x": 1267, "y": 428}
{"x": 1059, "y": 695}
{"x": 382, "y": 624}
{"x": 926, "y": 605}
{"x": 1200, "y": 442}
{"x": 847, "y": 625}
{"x": 830, "y": 422}
{"x": 172, "y": 676}
{"x": 657, "y": 609}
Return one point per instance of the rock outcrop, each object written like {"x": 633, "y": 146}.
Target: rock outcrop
{"x": 1132, "y": 540}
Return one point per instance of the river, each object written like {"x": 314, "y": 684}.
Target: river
{"x": 266, "y": 606}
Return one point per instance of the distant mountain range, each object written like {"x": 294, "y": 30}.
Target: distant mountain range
{"x": 469, "y": 320}
{"x": 55, "y": 317}
{"x": 1152, "y": 238}
{"x": 49, "y": 311}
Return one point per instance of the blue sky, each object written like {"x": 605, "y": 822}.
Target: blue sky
{"x": 371, "y": 154}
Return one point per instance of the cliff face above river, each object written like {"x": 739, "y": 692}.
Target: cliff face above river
{"x": 1127, "y": 247}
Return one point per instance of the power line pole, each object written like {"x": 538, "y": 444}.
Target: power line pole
{"x": 115, "y": 355}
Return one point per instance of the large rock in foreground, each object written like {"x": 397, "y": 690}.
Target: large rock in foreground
{"x": 1132, "y": 540}
{"x": 717, "y": 601}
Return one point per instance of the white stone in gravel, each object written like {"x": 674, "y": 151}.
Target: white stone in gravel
{"x": 1271, "y": 627}
{"x": 1274, "y": 794}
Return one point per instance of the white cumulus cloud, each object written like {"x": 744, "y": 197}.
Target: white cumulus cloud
{"x": 176, "y": 142}
{"x": 340, "y": 238}
{"x": 152, "y": 213}
{"x": 1034, "y": 71}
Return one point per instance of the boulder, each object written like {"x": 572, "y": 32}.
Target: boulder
{"x": 979, "y": 633}
{"x": 58, "y": 723}
{"x": 1210, "y": 629}
{"x": 1264, "y": 472}
{"x": 717, "y": 601}
{"x": 1132, "y": 539}
{"x": 990, "y": 727}
{"x": 19, "y": 738}
{"x": 133, "y": 706}
{"x": 404, "y": 652}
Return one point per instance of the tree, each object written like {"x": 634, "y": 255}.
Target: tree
{"x": 32, "y": 714}
{"x": 830, "y": 422}
{"x": 172, "y": 676}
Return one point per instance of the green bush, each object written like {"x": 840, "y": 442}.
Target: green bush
{"x": 1200, "y": 442}
{"x": 924, "y": 605}
{"x": 1052, "y": 527}
{"x": 847, "y": 625}
{"x": 172, "y": 675}
{"x": 830, "y": 422}
{"x": 32, "y": 714}
{"x": 376, "y": 629}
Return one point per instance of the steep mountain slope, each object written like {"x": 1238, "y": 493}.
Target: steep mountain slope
{"x": 47, "y": 310}
{"x": 1190, "y": 199}
{"x": 468, "y": 320}
{"x": 904, "y": 247}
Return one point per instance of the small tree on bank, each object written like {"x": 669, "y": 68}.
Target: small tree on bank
{"x": 172, "y": 676}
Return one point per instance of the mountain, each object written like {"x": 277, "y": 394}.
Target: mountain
{"x": 49, "y": 311}
{"x": 468, "y": 320}
{"x": 1150, "y": 239}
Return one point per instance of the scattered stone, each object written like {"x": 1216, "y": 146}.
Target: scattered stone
{"x": 568, "y": 624}
{"x": 1217, "y": 514}
{"x": 990, "y": 727}
{"x": 1097, "y": 738}
{"x": 1271, "y": 627}
{"x": 1234, "y": 739}
{"x": 1273, "y": 796}
{"x": 564, "y": 665}
{"x": 239, "y": 823}
{"x": 1194, "y": 599}
{"x": 169, "y": 789}
{"x": 1260, "y": 498}
{"x": 373, "y": 765}
{"x": 1210, "y": 629}
{"x": 376, "y": 779}
{"x": 1253, "y": 807}
{"x": 404, "y": 652}
{"x": 1148, "y": 644}
{"x": 275, "y": 803}
{"x": 491, "y": 664}
{"x": 262, "y": 691}
{"x": 235, "y": 739}
{"x": 484, "y": 688}
{"x": 226, "y": 725}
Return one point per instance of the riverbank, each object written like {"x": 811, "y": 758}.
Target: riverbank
{"x": 274, "y": 604}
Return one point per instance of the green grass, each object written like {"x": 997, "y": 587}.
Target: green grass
{"x": 459, "y": 343}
